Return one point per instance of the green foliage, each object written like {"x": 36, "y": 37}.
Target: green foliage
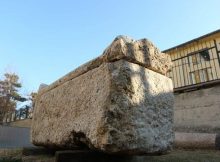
{"x": 9, "y": 95}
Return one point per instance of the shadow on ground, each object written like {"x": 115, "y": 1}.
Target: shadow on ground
{"x": 174, "y": 156}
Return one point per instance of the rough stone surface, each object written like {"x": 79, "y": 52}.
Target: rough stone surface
{"x": 115, "y": 107}
{"x": 141, "y": 52}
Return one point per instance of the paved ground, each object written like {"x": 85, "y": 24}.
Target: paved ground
{"x": 14, "y": 137}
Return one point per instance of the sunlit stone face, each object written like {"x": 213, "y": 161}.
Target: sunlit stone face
{"x": 112, "y": 105}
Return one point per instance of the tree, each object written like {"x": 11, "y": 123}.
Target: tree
{"x": 9, "y": 95}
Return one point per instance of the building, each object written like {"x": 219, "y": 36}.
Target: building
{"x": 196, "y": 80}
{"x": 196, "y": 63}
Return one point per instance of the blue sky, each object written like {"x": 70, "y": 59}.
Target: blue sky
{"x": 42, "y": 40}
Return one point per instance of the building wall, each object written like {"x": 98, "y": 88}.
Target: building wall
{"x": 182, "y": 68}
{"x": 198, "y": 111}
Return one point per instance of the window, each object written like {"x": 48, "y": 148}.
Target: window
{"x": 199, "y": 76}
{"x": 200, "y": 56}
{"x": 205, "y": 55}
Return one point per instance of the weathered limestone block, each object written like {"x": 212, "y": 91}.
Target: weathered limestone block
{"x": 141, "y": 52}
{"x": 116, "y": 106}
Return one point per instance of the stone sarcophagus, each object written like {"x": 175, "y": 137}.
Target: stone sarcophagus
{"x": 120, "y": 102}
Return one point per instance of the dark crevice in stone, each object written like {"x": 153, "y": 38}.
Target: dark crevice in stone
{"x": 79, "y": 140}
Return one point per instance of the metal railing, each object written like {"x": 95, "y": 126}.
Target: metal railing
{"x": 196, "y": 67}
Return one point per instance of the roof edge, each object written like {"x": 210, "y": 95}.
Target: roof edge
{"x": 188, "y": 42}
